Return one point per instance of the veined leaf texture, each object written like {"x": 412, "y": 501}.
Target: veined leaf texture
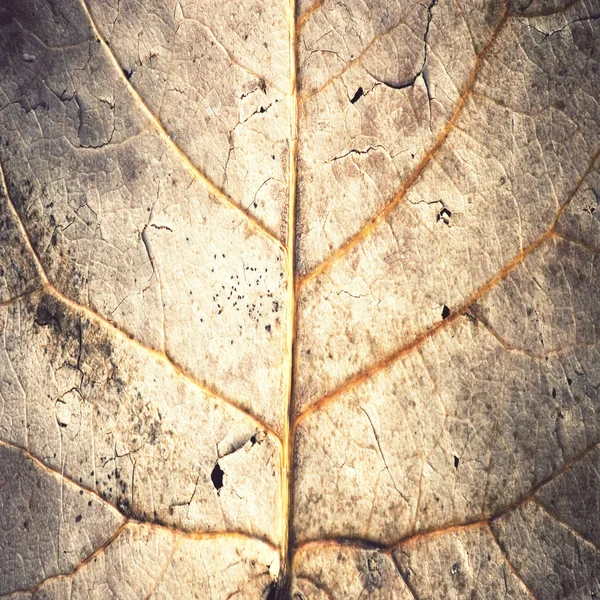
{"x": 299, "y": 299}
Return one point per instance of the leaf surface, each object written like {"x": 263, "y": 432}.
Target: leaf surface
{"x": 299, "y": 299}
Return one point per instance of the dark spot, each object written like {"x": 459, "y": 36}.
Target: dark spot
{"x": 49, "y": 314}
{"x": 268, "y": 327}
{"x": 445, "y": 312}
{"x": 455, "y": 568}
{"x": 217, "y": 477}
{"x": 569, "y": 380}
{"x": 456, "y": 461}
{"x": 357, "y": 96}
{"x": 154, "y": 432}
{"x": 553, "y": 392}
{"x": 124, "y": 506}
{"x": 78, "y": 518}
{"x": 25, "y": 524}
{"x": 128, "y": 73}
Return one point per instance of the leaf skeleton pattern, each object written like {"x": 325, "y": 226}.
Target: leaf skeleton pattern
{"x": 298, "y": 299}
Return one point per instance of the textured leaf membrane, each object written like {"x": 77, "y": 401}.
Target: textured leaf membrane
{"x": 299, "y": 299}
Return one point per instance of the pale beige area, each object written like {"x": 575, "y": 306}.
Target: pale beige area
{"x": 299, "y": 299}
{"x": 115, "y": 419}
{"x": 122, "y": 226}
{"x": 215, "y": 74}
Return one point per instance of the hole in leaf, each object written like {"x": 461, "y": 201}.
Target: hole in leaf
{"x": 456, "y": 461}
{"x": 357, "y": 96}
{"x": 217, "y": 477}
{"x": 445, "y": 312}
{"x": 444, "y": 216}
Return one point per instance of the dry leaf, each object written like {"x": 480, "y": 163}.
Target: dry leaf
{"x": 299, "y": 299}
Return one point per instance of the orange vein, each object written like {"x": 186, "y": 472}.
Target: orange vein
{"x": 423, "y": 337}
{"x": 404, "y": 188}
{"x": 420, "y": 339}
{"x": 191, "y": 535}
{"x": 162, "y": 357}
{"x": 401, "y": 193}
{"x": 303, "y": 18}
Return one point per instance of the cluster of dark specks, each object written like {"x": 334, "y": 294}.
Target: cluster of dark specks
{"x": 230, "y": 295}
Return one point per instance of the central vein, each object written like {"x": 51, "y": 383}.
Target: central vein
{"x": 288, "y": 442}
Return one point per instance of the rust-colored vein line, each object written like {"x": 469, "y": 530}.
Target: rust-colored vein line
{"x": 204, "y": 536}
{"x": 288, "y": 441}
{"x": 86, "y": 561}
{"x": 302, "y": 99}
{"x": 308, "y": 14}
{"x": 211, "y": 187}
{"x": 161, "y": 357}
{"x": 509, "y": 564}
{"x": 170, "y": 529}
{"x": 445, "y": 529}
{"x": 418, "y": 341}
{"x": 366, "y": 544}
{"x": 576, "y": 534}
{"x": 17, "y": 299}
{"x": 59, "y": 475}
{"x": 23, "y": 231}
{"x": 405, "y": 187}
{"x": 177, "y": 536}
